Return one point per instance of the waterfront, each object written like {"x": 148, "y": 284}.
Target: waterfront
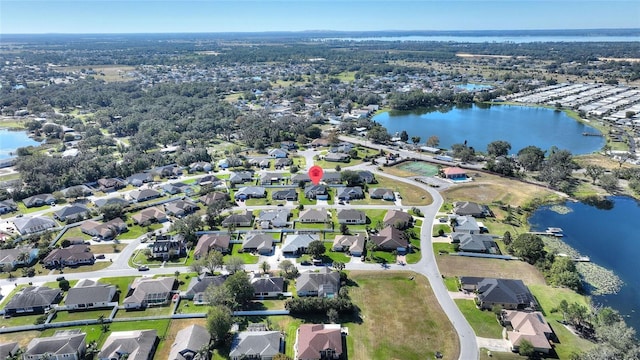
{"x": 609, "y": 237}
{"x": 11, "y": 140}
{"x": 521, "y": 126}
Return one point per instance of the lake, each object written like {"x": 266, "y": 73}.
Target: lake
{"x": 521, "y": 126}
{"x": 610, "y": 238}
{"x": 11, "y": 140}
{"x": 516, "y": 39}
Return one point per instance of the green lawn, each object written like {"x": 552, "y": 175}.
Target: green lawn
{"x": 187, "y": 307}
{"x": 75, "y": 233}
{"x": 20, "y": 320}
{"x": 384, "y": 256}
{"x": 122, "y": 283}
{"x": 451, "y": 283}
{"x": 415, "y": 254}
{"x": 443, "y": 247}
{"x": 62, "y": 316}
{"x": 152, "y": 311}
{"x": 411, "y": 194}
{"x": 483, "y": 322}
{"x": 94, "y": 332}
{"x": 248, "y": 258}
{"x": 436, "y": 228}
{"x": 135, "y": 231}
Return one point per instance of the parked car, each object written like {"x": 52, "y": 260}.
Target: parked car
{"x": 143, "y": 268}
{"x": 100, "y": 256}
{"x": 60, "y": 278}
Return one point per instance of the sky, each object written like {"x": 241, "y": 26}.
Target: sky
{"x": 174, "y": 16}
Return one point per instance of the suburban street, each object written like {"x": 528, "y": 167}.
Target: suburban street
{"x": 427, "y": 265}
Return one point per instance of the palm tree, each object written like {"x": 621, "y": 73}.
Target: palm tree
{"x": 264, "y": 266}
{"x": 24, "y": 257}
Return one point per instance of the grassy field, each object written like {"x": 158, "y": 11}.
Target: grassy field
{"x": 152, "y": 311}
{"x": 483, "y": 322}
{"x": 415, "y": 332}
{"x": 411, "y": 195}
{"x": 466, "y": 266}
{"x": 108, "y": 73}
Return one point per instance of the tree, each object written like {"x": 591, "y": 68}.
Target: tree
{"x": 265, "y": 267}
{"x": 188, "y": 226}
{"x": 219, "y": 322}
{"x": 526, "y": 348}
{"x": 433, "y": 141}
{"x": 557, "y": 168}
{"x": 404, "y": 137}
{"x": 529, "y": 247}
{"x": 506, "y": 238}
{"x": 351, "y": 177}
{"x": 221, "y": 295}
{"x": 197, "y": 266}
{"x": 214, "y": 260}
{"x": 498, "y": 148}
{"x": 64, "y": 285}
{"x": 234, "y": 264}
{"x": 112, "y": 211}
{"x": 415, "y": 140}
{"x": 286, "y": 266}
{"x": 344, "y": 229}
{"x": 609, "y": 182}
{"x": 240, "y": 287}
{"x": 281, "y": 356}
{"x": 594, "y": 172}
{"x": 316, "y": 249}
{"x": 333, "y": 315}
{"x": 531, "y": 158}
{"x": 338, "y": 265}
{"x": 213, "y": 212}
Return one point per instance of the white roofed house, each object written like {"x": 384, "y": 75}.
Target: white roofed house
{"x": 273, "y": 218}
{"x": 297, "y": 244}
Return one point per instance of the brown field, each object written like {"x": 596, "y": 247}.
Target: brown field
{"x": 600, "y": 160}
{"x": 162, "y": 353}
{"x": 619, "y": 59}
{"x": 108, "y": 73}
{"x": 411, "y": 194}
{"x": 488, "y": 189}
{"x": 508, "y": 269}
{"x": 23, "y": 337}
{"x": 405, "y": 311}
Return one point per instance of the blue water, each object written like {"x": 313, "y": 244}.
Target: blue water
{"x": 493, "y": 39}
{"x": 474, "y": 87}
{"x": 611, "y": 239}
{"x": 521, "y": 126}
{"x": 11, "y": 140}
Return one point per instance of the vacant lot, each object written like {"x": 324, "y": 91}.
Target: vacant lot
{"x": 508, "y": 269}
{"x": 405, "y": 312}
{"x": 488, "y": 189}
{"x": 411, "y": 195}
{"x": 108, "y": 73}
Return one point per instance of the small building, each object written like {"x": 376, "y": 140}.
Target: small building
{"x": 244, "y": 218}
{"x": 180, "y": 208}
{"x": 454, "y": 173}
{"x": 350, "y": 193}
{"x": 7, "y": 206}
{"x": 144, "y": 195}
{"x": 72, "y": 213}
{"x": 130, "y": 345}
{"x": 150, "y": 215}
{"x": 106, "y": 230}
{"x": 382, "y": 193}
{"x": 468, "y": 208}
{"x": 319, "y": 342}
{"x": 398, "y": 219}
{"x": 276, "y": 218}
{"x": 250, "y": 192}
{"x": 213, "y": 197}
{"x": 319, "y": 192}
{"x": 287, "y": 194}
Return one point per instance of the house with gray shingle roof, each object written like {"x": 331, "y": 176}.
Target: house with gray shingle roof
{"x": 390, "y": 239}
{"x": 313, "y": 216}
{"x": 180, "y": 208}
{"x": 354, "y": 244}
{"x": 242, "y": 219}
{"x": 468, "y": 208}
{"x": 9, "y": 349}
{"x": 240, "y": 177}
{"x": 208, "y": 242}
{"x": 318, "y": 283}
{"x": 249, "y": 192}
{"x": 73, "y": 255}
{"x": 89, "y": 294}
{"x": 382, "y": 193}
{"x": 199, "y": 285}
{"x": 351, "y": 216}
{"x": 297, "y": 244}
{"x": 188, "y": 342}
{"x": 268, "y": 286}
{"x": 132, "y": 345}
{"x": 10, "y": 258}
{"x": 466, "y": 224}
{"x": 30, "y": 225}
{"x": 350, "y": 193}
{"x": 258, "y": 242}
{"x": 7, "y": 206}
{"x": 258, "y": 345}
{"x": 114, "y": 200}
{"x": 478, "y": 243}
{"x": 144, "y": 292}
{"x": 63, "y": 345}
{"x": 73, "y": 212}
{"x": 273, "y": 218}
{"x": 143, "y": 195}
{"x": 320, "y": 192}
{"x": 213, "y": 197}
{"x": 510, "y": 294}
{"x": 32, "y": 300}
{"x": 398, "y": 219}
{"x": 286, "y": 194}
{"x": 106, "y": 230}
{"x": 39, "y": 200}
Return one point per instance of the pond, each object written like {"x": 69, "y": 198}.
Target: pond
{"x": 11, "y": 140}
{"x": 607, "y": 234}
{"x": 521, "y": 126}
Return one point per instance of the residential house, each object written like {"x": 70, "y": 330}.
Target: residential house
{"x": 63, "y": 345}
{"x": 468, "y": 208}
{"x": 144, "y": 292}
{"x": 21, "y": 255}
{"x": 367, "y": 177}
{"x": 180, "y": 208}
{"x": 351, "y": 217}
{"x": 144, "y": 195}
{"x": 8, "y": 350}
{"x": 130, "y": 345}
{"x": 39, "y": 200}
{"x": 323, "y": 283}
{"x": 319, "y": 142}
{"x": 7, "y": 206}
{"x": 343, "y": 147}
{"x": 209, "y": 180}
{"x": 168, "y": 247}
{"x": 242, "y": 219}
{"x": 390, "y": 239}
{"x": 288, "y": 145}
{"x": 529, "y": 326}
{"x": 249, "y": 192}
{"x": 337, "y": 157}
{"x": 332, "y": 177}
{"x": 313, "y": 216}
{"x": 278, "y": 153}
{"x": 466, "y": 224}
{"x": 510, "y": 294}
{"x": 169, "y": 171}
{"x": 89, "y": 294}
{"x": 208, "y": 242}
{"x": 350, "y": 193}
{"x": 261, "y": 162}
{"x": 260, "y": 243}
{"x": 354, "y": 244}
{"x": 198, "y": 287}
{"x": 72, "y": 213}
{"x": 271, "y": 178}
{"x": 214, "y": 197}
{"x": 150, "y": 215}
{"x": 139, "y": 179}
{"x": 188, "y": 342}
{"x": 382, "y": 193}
{"x": 31, "y": 225}
{"x": 229, "y": 163}
{"x": 319, "y": 342}
{"x": 76, "y": 191}
{"x": 200, "y": 166}
{"x": 256, "y": 345}
{"x": 477, "y": 243}
{"x": 398, "y": 219}
{"x": 267, "y": 286}
{"x": 297, "y": 244}
{"x": 277, "y": 218}
{"x": 282, "y": 162}
{"x": 319, "y": 192}
{"x": 106, "y": 230}
{"x": 177, "y": 188}
{"x": 32, "y": 300}
{"x": 115, "y": 201}
{"x": 111, "y": 184}
{"x": 300, "y": 177}
{"x": 454, "y": 173}
{"x": 287, "y": 194}
{"x": 240, "y": 177}
{"x": 73, "y": 255}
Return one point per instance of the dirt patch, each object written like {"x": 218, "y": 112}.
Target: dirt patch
{"x": 22, "y": 338}
{"x": 450, "y": 265}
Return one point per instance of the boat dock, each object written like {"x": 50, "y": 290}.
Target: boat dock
{"x": 551, "y": 231}
{"x": 576, "y": 259}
